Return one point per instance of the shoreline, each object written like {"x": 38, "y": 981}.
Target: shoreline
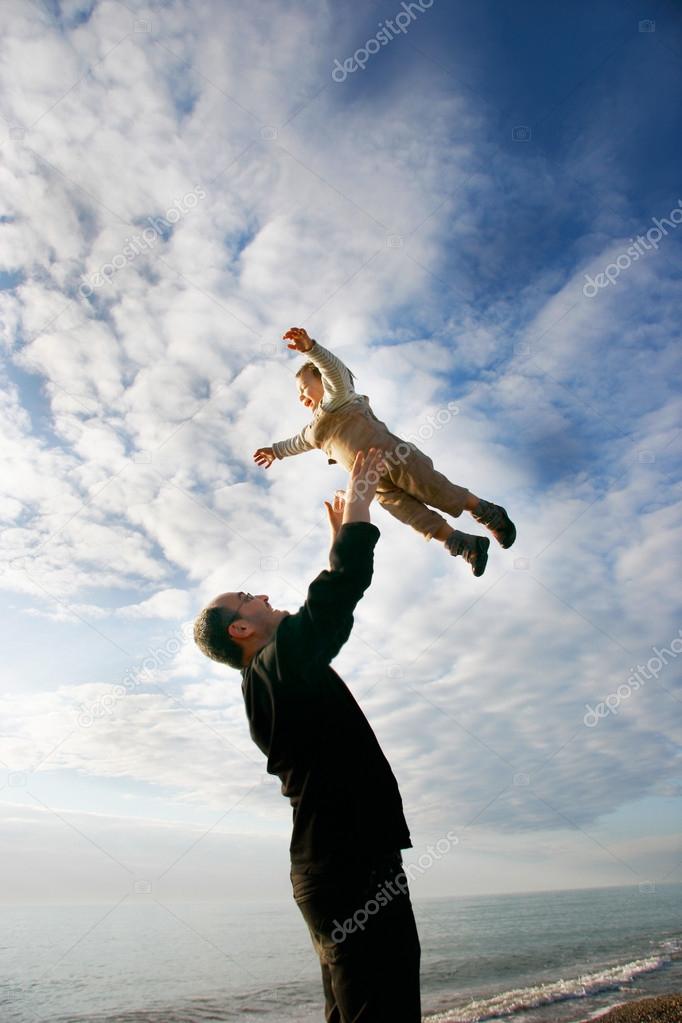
{"x": 659, "y": 1009}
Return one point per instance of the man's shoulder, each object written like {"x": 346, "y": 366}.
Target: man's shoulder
{"x": 266, "y": 662}
{"x": 279, "y": 674}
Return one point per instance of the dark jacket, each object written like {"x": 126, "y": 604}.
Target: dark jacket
{"x": 345, "y": 799}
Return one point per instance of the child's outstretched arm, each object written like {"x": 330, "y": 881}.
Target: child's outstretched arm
{"x": 281, "y": 449}
{"x": 337, "y": 379}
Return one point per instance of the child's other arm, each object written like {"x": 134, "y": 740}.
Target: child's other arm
{"x": 336, "y": 377}
{"x": 292, "y": 446}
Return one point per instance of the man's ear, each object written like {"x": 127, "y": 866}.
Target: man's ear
{"x": 240, "y": 630}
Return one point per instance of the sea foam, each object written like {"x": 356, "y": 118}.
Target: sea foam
{"x": 518, "y": 999}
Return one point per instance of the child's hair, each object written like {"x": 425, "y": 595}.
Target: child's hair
{"x": 310, "y": 367}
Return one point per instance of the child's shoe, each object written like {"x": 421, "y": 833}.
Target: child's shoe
{"x": 474, "y": 549}
{"x": 497, "y": 521}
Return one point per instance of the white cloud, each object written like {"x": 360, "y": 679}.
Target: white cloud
{"x": 129, "y": 469}
{"x": 171, "y": 603}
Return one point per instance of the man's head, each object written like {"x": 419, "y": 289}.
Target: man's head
{"x": 235, "y": 626}
{"x": 310, "y": 386}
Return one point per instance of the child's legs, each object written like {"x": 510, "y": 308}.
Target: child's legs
{"x": 412, "y": 512}
{"x": 416, "y": 476}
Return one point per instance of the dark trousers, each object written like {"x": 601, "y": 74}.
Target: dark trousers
{"x": 363, "y": 929}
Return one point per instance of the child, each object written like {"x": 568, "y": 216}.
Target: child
{"x": 343, "y": 424}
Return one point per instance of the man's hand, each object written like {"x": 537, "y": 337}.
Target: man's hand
{"x": 264, "y": 457}
{"x": 362, "y": 484}
{"x": 299, "y": 339}
{"x": 335, "y": 512}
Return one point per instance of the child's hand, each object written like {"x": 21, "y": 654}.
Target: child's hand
{"x": 264, "y": 457}
{"x": 299, "y": 338}
{"x": 335, "y": 512}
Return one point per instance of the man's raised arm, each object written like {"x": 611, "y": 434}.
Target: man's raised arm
{"x": 324, "y": 623}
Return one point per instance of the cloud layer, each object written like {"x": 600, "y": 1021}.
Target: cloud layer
{"x": 143, "y": 365}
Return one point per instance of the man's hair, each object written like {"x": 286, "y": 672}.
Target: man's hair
{"x": 310, "y": 367}
{"x": 213, "y": 639}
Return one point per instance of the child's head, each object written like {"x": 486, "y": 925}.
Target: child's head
{"x": 310, "y": 386}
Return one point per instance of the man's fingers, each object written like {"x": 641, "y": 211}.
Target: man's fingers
{"x": 370, "y": 459}
{"x": 380, "y": 461}
{"x": 373, "y": 461}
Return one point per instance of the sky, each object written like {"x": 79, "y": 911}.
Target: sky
{"x": 479, "y": 214}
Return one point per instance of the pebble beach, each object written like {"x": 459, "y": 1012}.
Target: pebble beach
{"x": 664, "y": 1009}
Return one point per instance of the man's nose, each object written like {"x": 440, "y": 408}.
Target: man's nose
{"x": 263, "y": 596}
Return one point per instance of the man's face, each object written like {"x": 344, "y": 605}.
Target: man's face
{"x": 255, "y": 610}
{"x": 310, "y": 390}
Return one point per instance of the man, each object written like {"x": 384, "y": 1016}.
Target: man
{"x": 348, "y": 823}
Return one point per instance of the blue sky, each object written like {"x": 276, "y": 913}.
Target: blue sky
{"x": 433, "y": 219}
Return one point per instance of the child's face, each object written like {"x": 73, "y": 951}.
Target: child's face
{"x": 310, "y": 390}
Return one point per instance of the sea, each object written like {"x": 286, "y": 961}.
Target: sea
{"x": 543, "y": 957}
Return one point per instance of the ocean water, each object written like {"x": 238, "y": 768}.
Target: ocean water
{"x": 551, "y": 957}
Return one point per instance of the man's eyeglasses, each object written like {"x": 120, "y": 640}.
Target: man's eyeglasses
{"x": 233, "y": 615}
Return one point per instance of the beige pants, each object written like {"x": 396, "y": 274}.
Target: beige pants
{"x": 411, "y": 482}
{"x": 411, "y": 485}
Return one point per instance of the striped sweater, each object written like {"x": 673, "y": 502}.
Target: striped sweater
{"x": 338, "y": 391}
